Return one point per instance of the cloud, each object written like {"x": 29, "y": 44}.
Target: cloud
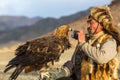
{"x": 46, "y": 8}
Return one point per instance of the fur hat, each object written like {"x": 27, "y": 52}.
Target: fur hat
{"x": 104, "y": 17}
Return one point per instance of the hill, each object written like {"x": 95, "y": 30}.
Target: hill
{"x": 43, "y": 26}
{"x": 37, "y": 29}
{"x": 11, "y": 22}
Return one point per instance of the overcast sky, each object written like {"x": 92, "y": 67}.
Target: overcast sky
{"x": 46, "y": 8}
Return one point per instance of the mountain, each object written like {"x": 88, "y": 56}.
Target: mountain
{"x": 11, "y": 22}
{"x": 37, "y": 29}
{"x": 43, "y": 26}
{"x": 115, "y": 8}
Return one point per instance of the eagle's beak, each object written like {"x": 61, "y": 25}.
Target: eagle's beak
{"x": 70, "y": 29}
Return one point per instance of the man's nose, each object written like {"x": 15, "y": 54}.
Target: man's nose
{"x": 88, "y": 26}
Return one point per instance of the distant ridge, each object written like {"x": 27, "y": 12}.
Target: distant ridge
{"x": 11, "y": 22}
{"x": 37, "y": 29}
{"x": 46, "y": 25}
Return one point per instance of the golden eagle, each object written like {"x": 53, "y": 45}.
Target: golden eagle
{"x": 35, "y": 54}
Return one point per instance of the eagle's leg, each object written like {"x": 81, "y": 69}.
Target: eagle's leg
{"x": 57, "y": 59}
{"x": 46, "y": 65}
{"x": 52, "y": 62}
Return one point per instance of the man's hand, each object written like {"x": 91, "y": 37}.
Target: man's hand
{"x": 81, "y": 36}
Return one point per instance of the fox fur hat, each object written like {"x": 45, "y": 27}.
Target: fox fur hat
{"x": 104, "y": 17}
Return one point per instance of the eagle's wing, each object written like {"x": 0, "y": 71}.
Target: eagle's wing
{"x": 38, "y": 51}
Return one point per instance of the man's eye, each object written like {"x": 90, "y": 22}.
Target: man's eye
{"x": 91, "y": 22}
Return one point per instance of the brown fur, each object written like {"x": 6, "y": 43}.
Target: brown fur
{"x": 93, "y": 71}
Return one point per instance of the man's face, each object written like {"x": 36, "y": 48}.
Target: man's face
{"x": 93, "y": 25}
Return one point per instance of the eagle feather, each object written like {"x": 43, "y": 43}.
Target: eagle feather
{"x": 35, "y": 54}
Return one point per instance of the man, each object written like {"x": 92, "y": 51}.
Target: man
{"x": 96, "y": 58}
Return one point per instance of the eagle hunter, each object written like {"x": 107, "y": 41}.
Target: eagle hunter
{"x": 35, "y": 54}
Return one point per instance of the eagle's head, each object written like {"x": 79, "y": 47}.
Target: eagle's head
{"x": 62, "y": 31}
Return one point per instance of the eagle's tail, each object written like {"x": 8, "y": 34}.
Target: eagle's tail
{"x": 8, "y": 68}
{"x": 16, "y": 72}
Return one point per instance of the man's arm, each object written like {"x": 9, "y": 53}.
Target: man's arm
{"x": 107, "y": 52}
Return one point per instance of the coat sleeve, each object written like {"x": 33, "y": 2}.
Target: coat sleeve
{"x": 101, "y": 55}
